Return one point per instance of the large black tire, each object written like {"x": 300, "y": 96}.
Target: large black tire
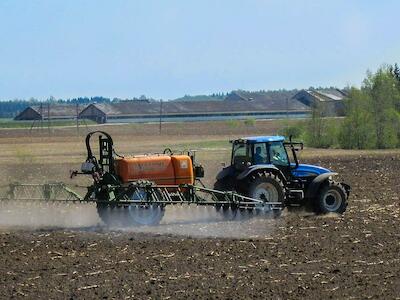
{"x": 332, "y": 198}
{"x": 221, "y": 185}
{"x": 268, "y": 187}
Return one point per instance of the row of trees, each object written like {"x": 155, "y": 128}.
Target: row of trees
{"x": 372, "y": 115}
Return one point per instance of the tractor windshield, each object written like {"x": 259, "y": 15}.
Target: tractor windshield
{"x": 278, "y": 154}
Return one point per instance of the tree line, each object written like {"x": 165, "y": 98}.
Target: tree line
{"x": 373, "y": 112}
{"x": 372, "y": 116}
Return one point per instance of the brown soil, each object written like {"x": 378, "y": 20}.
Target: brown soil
{"x": 195, "y": 254}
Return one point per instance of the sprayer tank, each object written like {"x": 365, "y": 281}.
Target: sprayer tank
{"x": 161, "y": 169}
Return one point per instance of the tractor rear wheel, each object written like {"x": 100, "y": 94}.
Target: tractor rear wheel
{"x": 222, "y": 185}
{"x": 331, "y": 199}
{"x": 267, "y": 187}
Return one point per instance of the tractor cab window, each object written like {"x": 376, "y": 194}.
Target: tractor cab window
{"x": 260, "y": 153}
{"x": 241, "y": 155}
{"x": 278, "y": 155}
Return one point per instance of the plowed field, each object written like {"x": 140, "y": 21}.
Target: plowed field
{"x": 60, "y": 252}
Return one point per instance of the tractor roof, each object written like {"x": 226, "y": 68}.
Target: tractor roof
{"x": 263, "y": 139}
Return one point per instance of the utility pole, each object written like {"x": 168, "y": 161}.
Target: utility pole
{"x": 160, "y": 127}
{"x": 48, "y": 117}
{"x": 77, "y": 118}
{"x": 41, "y": 116}
{"x": 287, "y": 108}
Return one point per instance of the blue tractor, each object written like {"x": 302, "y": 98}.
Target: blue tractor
{"x": 267, "y": 168}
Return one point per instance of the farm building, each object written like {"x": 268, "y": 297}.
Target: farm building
{"x": 331, "y": 100}
{"x": 46, "y": 111}
{"x": 237, "y": 104}
{"x": 131, "y": 110}
{"x": 279, "y": 96}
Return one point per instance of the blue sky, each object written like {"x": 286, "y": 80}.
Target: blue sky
{"x": 166, "y": 49}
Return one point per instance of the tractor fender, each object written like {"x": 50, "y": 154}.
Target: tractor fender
{"x": 316, "y": 183}
{"x": 225, "y": 172}
{"x": 270, "y": 168}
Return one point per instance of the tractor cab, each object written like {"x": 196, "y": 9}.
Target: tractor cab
{"x": 257, "y": 152}
{"x": 265, "y": 150}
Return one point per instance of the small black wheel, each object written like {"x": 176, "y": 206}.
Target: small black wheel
{"x": 267, "y": 187}
{"x": 331, "y": 199}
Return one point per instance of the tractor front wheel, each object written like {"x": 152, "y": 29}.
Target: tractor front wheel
{"x": 331, "y": 199}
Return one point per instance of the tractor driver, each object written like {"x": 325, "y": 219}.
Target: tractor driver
{"x": 258, "y": 159}
{"x": 278, "y": 158}
{"x": 276, "y": 155}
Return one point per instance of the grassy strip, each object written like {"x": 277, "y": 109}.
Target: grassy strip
{"x": 10, "y": 123}
{"x": 213, "y": 144}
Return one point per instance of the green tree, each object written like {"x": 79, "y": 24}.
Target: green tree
{"x": 396, "y": 72}
{"x": 383, "y": 90}
{"x": 357, "y": 130}
{"x": 296, "y": 130}
{"x": 319, "y": 133}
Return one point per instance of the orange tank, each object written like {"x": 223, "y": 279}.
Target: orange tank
{"x": 161, "y": 169}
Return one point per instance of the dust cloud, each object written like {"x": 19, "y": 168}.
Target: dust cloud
{"x": 35, "y": 215}
{"x": 206, "y": 222}
{"x": 185, "y": 220}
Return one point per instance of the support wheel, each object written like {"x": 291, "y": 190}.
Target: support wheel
{"x": 111, "y": 214}
{"x": 141, "y": 214}
{"x": 150, "y": 214}
{"x": 331, "y": 199}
